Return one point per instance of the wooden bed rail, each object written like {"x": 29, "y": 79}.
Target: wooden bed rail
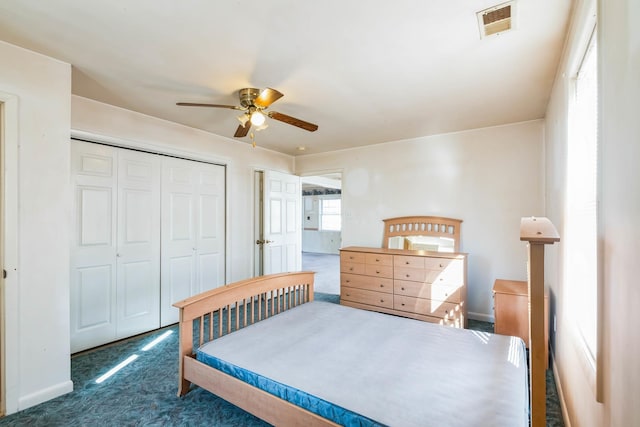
{"x": 212, "y": 314}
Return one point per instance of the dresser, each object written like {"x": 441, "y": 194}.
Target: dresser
{"x": 423, "y": 285}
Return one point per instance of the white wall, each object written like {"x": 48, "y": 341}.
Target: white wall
{"x": 38, "y": 88}
{"x": 619, "y": 59}
{"x": 138, "y": 130}
{"x": 321, "y": 242}
{"x": 489, "y": 178}
{"x": 37, "y": 364}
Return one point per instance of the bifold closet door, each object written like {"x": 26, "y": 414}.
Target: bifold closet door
{"x": 138, "y": 243}
{"x": 115, "y": 256}
{"x": 93, "y": 252}
{"x": 193, "y": 227}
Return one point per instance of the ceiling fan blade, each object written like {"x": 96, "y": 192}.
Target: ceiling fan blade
{"x": 267, "y": 97}
{"x": 195, "y": 104}
{"x": 242, "y": 131}
{"x": 293, "y": 121}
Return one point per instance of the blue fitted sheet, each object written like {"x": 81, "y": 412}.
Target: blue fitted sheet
{"x": 357, "y": 367}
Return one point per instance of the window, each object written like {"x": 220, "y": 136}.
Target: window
{"x": 330, "y": 217}
{"x": 581, "y": 222}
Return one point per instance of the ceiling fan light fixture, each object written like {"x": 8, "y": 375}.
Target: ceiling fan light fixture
{"x": 243, "y": 119}
{"x": 257, "y": 118}
{"x": 262, "y": 126}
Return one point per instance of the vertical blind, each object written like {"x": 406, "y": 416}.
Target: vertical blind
{"x": 582, "y": 198}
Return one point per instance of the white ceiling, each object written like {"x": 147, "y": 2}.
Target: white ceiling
{"x": 365, "y": 71}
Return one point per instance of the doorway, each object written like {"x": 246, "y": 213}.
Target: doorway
{"x": 322, "y": 229}
{"x": 8, "y": 252}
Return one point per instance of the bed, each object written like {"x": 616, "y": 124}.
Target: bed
{"x": 266, "y": 346}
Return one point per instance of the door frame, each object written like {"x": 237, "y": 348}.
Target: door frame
{"x": 9, "y": 363}
{"x": 258, "y": 214}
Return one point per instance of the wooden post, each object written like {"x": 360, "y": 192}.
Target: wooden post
{"x": 538, "y": 232}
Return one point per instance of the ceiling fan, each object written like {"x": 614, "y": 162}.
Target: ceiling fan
{"x": 254, "y": 102}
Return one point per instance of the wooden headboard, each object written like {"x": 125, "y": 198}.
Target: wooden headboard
{"x": 432, "y": 226}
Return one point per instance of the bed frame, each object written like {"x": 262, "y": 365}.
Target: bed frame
{"x": 435, "y": 226}
{"x": 218, "y": 312}
{"x": 537, "y": 232}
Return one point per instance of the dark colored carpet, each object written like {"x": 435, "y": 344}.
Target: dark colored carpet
{"x": 144, "y": 392}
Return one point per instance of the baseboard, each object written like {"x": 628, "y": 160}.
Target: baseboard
{"x": 41, "y": 396}
{"x": 481, "y": 316}
{"x": 556, "y": 378}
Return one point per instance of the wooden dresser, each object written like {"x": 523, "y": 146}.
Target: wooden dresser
{"x": 423, "y": 285}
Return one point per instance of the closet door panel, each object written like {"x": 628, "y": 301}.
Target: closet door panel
{"x": 211, "y": 221}
{"x": 94, "y": 297}
{"x": 181, "y": 274}
{"x": 209, "y": 272}
{"x": 93, "y": 250}
{"x": 193, "y": 231}
{"x": 138, "y": 257}
{"x": 178, "y": 230}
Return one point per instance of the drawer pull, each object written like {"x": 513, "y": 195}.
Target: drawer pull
{"x": 381, "y": 285}
{"x": 348, "y": 281}
{"x": 350, "y": 268}
{"x": 377, "y": 260}
{"x": 348, "y": 294}
{"x": 408, "y": 275}
{"x": 381, "y": 300}
{"x": 377, "y": 272}
{"x": 351, "y": 257}
{"x": 441, "y": 265}
{"x": 403, "y": 304}
{"x": 402, "y": 289}
{"x": 407, "y": 262}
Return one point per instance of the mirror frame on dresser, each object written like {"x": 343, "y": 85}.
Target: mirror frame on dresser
{"x": 429, "y": 226}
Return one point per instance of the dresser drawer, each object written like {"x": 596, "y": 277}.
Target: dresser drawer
{"x": 366, "y": 282}
{"x": 378, "y": 259}
{"x": 408, "y": 261}
{"x": 452, "y": 274}
{"x": 425, "y": 306}
{"x": 379, "y": 270}
{"x": 378, "y": 299}
{"x": 437, "y": 263}
{"x": 412, "y": 274}
{"x": 449, "y": 293}
{"x": 346, "y": 256}
{"x": 351, "y": 267}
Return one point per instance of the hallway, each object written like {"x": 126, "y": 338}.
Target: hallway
{"x": 327, "y": 269}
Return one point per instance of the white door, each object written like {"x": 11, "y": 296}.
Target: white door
{"x": 93, "y": 255}
{"x": 193, "y": 223}
{"x": 138, "y": 243}
{"x": 282, "y": 223}
{"x": 210, "y": 230}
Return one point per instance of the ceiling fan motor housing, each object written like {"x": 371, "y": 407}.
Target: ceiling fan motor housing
{"x": 248, "y": 96}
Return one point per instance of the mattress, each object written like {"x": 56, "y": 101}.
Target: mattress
{"x": 358, "y": 367}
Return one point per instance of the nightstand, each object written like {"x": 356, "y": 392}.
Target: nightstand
{"x": 511, "y": 309}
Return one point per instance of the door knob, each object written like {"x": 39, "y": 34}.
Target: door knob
{"x": 262, "y": 242}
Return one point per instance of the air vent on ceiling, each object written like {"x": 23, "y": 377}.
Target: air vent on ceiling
{"x": 497, "y": 19}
